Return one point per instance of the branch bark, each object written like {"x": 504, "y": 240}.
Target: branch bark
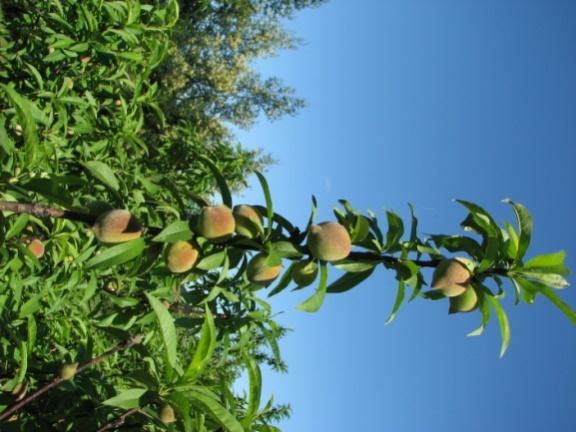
{"x": 118, "y": 421}
{"x": 41, "y": 211}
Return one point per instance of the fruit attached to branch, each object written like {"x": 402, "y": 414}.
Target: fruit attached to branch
{"x": 216, "y": 223}
{"x": 465, "y": 302}
{"x": 248, "y": 221}
{"x": 452, "y": 276}
{"x": 181, "y": 256}
{"x": 116, "y": 226}
{"x": 259, "y": 272}
{"x": 329, "y": 241}
{"x": 304, "y": 273}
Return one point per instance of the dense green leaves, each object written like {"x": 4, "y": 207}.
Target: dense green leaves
{"x": 125, "y": 105}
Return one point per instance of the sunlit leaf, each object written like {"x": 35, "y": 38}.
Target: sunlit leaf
{"x": 167, "y": 329}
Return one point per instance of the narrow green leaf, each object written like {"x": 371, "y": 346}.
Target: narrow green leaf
{"x": 512, "y": 242}
{"x": 118, "y": 254}
{"x": 548, "y": 263}
{"x": 212, "y": 261}
{"x": 204, "y": 349}
{"x": 23, "y": 367}
{"x": 31, "y": 306}
{"x": 268, "y": 199}
{"x": 398, "y": 302}
{"x": 503, "y": 322}
{"x": 17, "y": 227}
{"x": 524, "y": 227}
{"x": 167, "y": 329}
{"x": 351, "y": 266}
{"x": 212, "y": 407}
{"x": 348, "y": 281}
{"x": 283, "y": 282}
{"x": 559, "y": 303}
{"x": 255, "y": 391}
{"x": 311, "y": 219}
{"x": 360, "y": 229}
{"x": 286, "y": 249}
{"x": 128, "y": 399}
{"x": 484, "y": 310}
{"x": 313, "y": 303}
{"x": 24, "y": 110}
{"x": 395, "y": 231}
{"x": 178, "y": 230}
{"x": 104, "y": 173}
{"x": 549, "y": 279}
{"x": 220, "y": 180}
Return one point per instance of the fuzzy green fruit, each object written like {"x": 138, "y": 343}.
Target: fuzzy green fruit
{"x": 216, "y": 223}
{"x": 181, "y": 256}
{"x": 452, "y": 276}
{"x": 304, "y": 273}
{"x": 167, "y": 415}
{"x": 248, "y": 221}
{"x": 68, "y": 371}
{"x": 329, "y": 241}
{"x": 465, "y": 302}
{"x": 116, "y": 226}
{"x": 259, "y": 272}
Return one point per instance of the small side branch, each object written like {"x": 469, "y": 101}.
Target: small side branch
{"x": 136, "y": 340}
{"x": 118, "y": 421}
{"x": 41, "y": 211}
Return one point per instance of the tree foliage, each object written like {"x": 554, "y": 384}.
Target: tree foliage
{"x": 101, "y": 331}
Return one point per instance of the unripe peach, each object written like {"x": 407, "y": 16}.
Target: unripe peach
{"x": 304, "y": 273}
{"x": 248, "y": 221}
{"x": 216, "y": 223}
{"x": 116, "y": 226}
{"x": 465, "y": 302}
{"x": 36, "y": 247}
{"x": 181, "y": 256}
{"x": 68, "y": 371}
{"x": 452, "y": 276}
{"x": 259, "y": 272}
{"x": 329, "y": 241}
{"x": 167, "y": 415}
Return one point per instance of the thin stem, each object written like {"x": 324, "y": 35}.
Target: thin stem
{"x": 135, "y": 340}
{"x": 41, "y": 211}
{"x": 118, "y": 421}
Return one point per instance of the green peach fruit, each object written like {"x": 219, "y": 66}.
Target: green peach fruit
{"x": 68, "y": 371}
{"x": 259, "y": 272}
{"x": 216, "y": 223}
{"x": 304, "y": 273}
{"x": 248, "y": 221}
{"x": 116, "y": 226}
{"x": 167, "y": 414}
{"x": 452, "y": 276}
{"x": 329, "y": 241}
{"x": 181, "y": 256}
{"x": 465, "y": 302}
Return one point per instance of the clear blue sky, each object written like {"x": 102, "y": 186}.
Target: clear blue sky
{"x": 422, "y": 102}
